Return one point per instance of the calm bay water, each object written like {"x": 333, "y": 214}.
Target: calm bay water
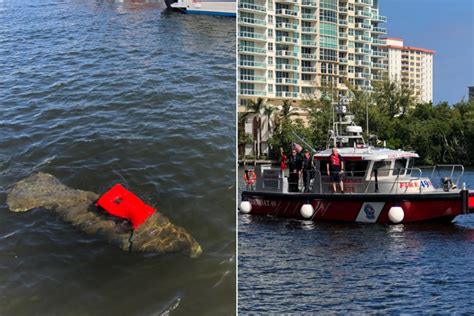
{"x": 100, "y": 92}
{"x": 301, "y": 266}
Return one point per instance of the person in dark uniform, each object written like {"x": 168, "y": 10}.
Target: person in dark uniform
{"x": 306, "y": 169}
{"x": 335, "y": 169}
{"x": 294, "y": 166}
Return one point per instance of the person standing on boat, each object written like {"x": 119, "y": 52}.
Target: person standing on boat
{"x": 307, "y": 168}
{"x": 294, "y": 165}
{"x": 249, "y": 177}
{"x": 283, "y": 159}
{"x": 335, "y": 169}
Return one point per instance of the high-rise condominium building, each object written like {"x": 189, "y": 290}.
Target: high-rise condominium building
{"x": 471, "y": 94}
{"x": 411, "y": 66}
{"x": 289, "y": 49}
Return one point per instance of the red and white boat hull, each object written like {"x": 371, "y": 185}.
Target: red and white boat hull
{"x": 365, "y": 208}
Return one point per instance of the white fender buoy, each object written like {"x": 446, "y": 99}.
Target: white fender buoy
{"x": 396, "y": 214}
{"x": 245, "y": 207}
{"x": 307, "y": 211}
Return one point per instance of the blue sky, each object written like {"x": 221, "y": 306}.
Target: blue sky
{"x": 445, "y": 26}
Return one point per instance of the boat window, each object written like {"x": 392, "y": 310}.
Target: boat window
{"x": 382, "y": 167}
{"x": 399, "y": 167}
{"x": 355, "y": 168}
{"x": 411, "y": 162}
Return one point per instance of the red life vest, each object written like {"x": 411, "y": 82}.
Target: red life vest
{"x": 335, "y": 160}
{"x": 251, "y": 178}
{"x": 283, "y": 162}
{"x": 122, "y": 203}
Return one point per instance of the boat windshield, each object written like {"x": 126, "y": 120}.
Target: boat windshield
{"x": 400, "y": 167}
{"x": 382, "y": 167}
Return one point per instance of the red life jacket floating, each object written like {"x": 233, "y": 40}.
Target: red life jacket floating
{"x": 122, "y": 203}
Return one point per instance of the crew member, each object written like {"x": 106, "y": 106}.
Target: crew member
{"x": 294, "y": 166}
{"x": 335, "y": 169}
{"x": 283, "y": 159}
{"x": 307, "y": 168}
{"x": 249, "y": 177}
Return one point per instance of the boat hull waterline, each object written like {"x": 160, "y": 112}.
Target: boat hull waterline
{"x": 363, "y": 208}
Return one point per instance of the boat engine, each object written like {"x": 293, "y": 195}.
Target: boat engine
{"x": 448, "y": 184}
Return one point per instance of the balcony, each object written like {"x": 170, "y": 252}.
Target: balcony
{"x": 251, "y": 78}
{"x": 364, "y": 51}
{"x": 363, "y": 38}
{"x": 379, "y": 65}
{"x": 252, "y": 49}
{"x": 308, "y": 3}
{"x": 252, "y": 64}
{"x": 306, "y": 29}
{"x": 343, "y": 60}
{"x": 252, "y": 92}
{"x": 286, "y": 39}
{"x": 342, "y": 9}
{"x": 364, "y": 26}
{"x": 363, "y": 63}
{"x": 342, "y": 35}
{"x": 309, "y": 69}
{"x": 364, "y": 2}
{"x": 363, "y": 13}
{"x": 286, "y": 53}
{"x": 252, "y": 7}
{"x": 343, "y": 48}
{"x": 251, "y": 35}
{"x": 380, "y": 30}
{"x": 310, "y": 83}
{"x": 377, "y": 41}
{"x": 377, "y": 53}
{"x": 287, "y": 67}
{"x": 286, "y": 81}
{"x": 287, "y": 26}
{"x": 309, "y": 16}
{"x": 253, "y": 21}
{"x": 287, "y": 12}
{"x": 343, "y": 22}
{"x": 309, "y": 56}
{"x": 287, "y": 1}
{"x": 286, "y": 94}
{"x": 310, "y": 43}
{"x": 379, "y": 18}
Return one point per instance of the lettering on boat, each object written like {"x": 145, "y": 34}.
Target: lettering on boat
{"x": 261, "y": 202}
{"x": 415, "y": 184}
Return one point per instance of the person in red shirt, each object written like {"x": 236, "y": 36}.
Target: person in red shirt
{"x": 249, "y": 177}
{"x": 283, "y": 159}
{"x": 335, "y": 169}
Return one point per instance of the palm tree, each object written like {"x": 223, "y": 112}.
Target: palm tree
{"x": 287, "y": 111}
{"x": 256, "y": 108}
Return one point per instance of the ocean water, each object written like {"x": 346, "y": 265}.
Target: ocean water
{"x": 105, "y": 92}
{"x": 301, "y": 266}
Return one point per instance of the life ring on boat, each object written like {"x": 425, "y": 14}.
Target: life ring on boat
{"x": 122, "y": 203}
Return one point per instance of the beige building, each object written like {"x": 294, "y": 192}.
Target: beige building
{"x": 411, "y": 66}
{"x": 288, "y": 49}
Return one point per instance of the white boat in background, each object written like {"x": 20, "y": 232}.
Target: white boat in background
{"x": 209, "y": 7}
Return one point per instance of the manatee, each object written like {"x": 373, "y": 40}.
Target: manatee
{"x": 157, "y": 234}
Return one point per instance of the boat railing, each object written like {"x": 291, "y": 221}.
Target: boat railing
{"x": 415, "y": 176}
{"x": 399, "y": 172}
{"x": 453, "y": 168}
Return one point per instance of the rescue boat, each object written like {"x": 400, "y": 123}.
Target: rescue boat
{"x": 381, "y": 185}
